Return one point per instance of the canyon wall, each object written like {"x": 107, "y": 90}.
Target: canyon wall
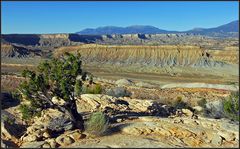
{"x": 58, "y": 40}
{"x": 143, "y": 55}
{"x": 143, "y": 49}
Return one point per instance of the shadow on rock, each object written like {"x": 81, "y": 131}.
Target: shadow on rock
{"x": 115, "y": 129}
{"x": 11, "y": 130}
{"x": 156, "y": 109}
{"x": 8, "y": 100}
{"x": 8, "y": 144}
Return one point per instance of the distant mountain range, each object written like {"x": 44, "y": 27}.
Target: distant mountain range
{"x": 226, "y": 30}
{"x": 136, "y": 29}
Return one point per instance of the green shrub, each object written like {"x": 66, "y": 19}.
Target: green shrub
{"x": 78, "y": 88}
{"x": 8, "y": 120}
{"x": 97, "y": 89}
{"x": 202, "y": 102}
{"x": 97, "y": 124}
{"x": 28, "y": 111}
{"x": 15, "y": 95}
{"x": 180, "y": 104}
{"x": 231, "y": 106}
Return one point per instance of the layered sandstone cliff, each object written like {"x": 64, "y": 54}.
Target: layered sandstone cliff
{"x": 58, "y": 40}
{"x": 11, "y": 51}
{"x": 143, "y": 55}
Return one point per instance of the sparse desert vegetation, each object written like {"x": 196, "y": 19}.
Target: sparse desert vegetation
{"x": 231, "y": 106}
{"x": 108, "y": 106}
{"x": 120, "y": 90}
{"x": 97, "y": 124}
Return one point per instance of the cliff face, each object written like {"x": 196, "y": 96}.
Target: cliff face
{"x": 11, "y": 51}
{"x": 50, "y": 40}
{"x": 58, "y": 40}
{"x": 24, "y": 39}
{"x": 53, "y": 40}
{"x": 135, "y": 49}
{"x": 143, "y": 55}
{"x": 229, "y": 55}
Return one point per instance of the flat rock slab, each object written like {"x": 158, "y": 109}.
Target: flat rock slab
{"x": 122, "y": 141}
{"x": 153, "y": 132}
{"x": 37, "y": 144}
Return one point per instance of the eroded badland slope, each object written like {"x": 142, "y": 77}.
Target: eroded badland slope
{"x": 151, "y": 55}
{"x": 142, "y": 111}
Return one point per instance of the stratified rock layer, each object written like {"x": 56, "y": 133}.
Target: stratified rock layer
{"x": 143, "y": 55}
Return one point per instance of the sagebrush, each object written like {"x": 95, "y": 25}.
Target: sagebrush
{"x": 231, "y": 106}
{"x": 96, "y": 89}
{"x": 97, "y": 124}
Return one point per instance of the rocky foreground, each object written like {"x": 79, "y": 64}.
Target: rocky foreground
{"x": 134, "y": 121}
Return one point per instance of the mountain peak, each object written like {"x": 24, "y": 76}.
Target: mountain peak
{"x": 134, "y": 29}
{"x": 224, "y": 30}
{"x": 141, "y": 26}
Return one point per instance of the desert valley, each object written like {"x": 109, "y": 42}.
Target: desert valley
{"x": 141, "y": 87}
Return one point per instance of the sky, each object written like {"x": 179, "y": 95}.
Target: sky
{"x": 70, "y": 17}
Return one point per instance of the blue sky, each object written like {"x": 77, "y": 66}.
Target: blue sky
{"x": 70, "y": 17}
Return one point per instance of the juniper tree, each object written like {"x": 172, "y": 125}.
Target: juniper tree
{"x": 56, "y": 77}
